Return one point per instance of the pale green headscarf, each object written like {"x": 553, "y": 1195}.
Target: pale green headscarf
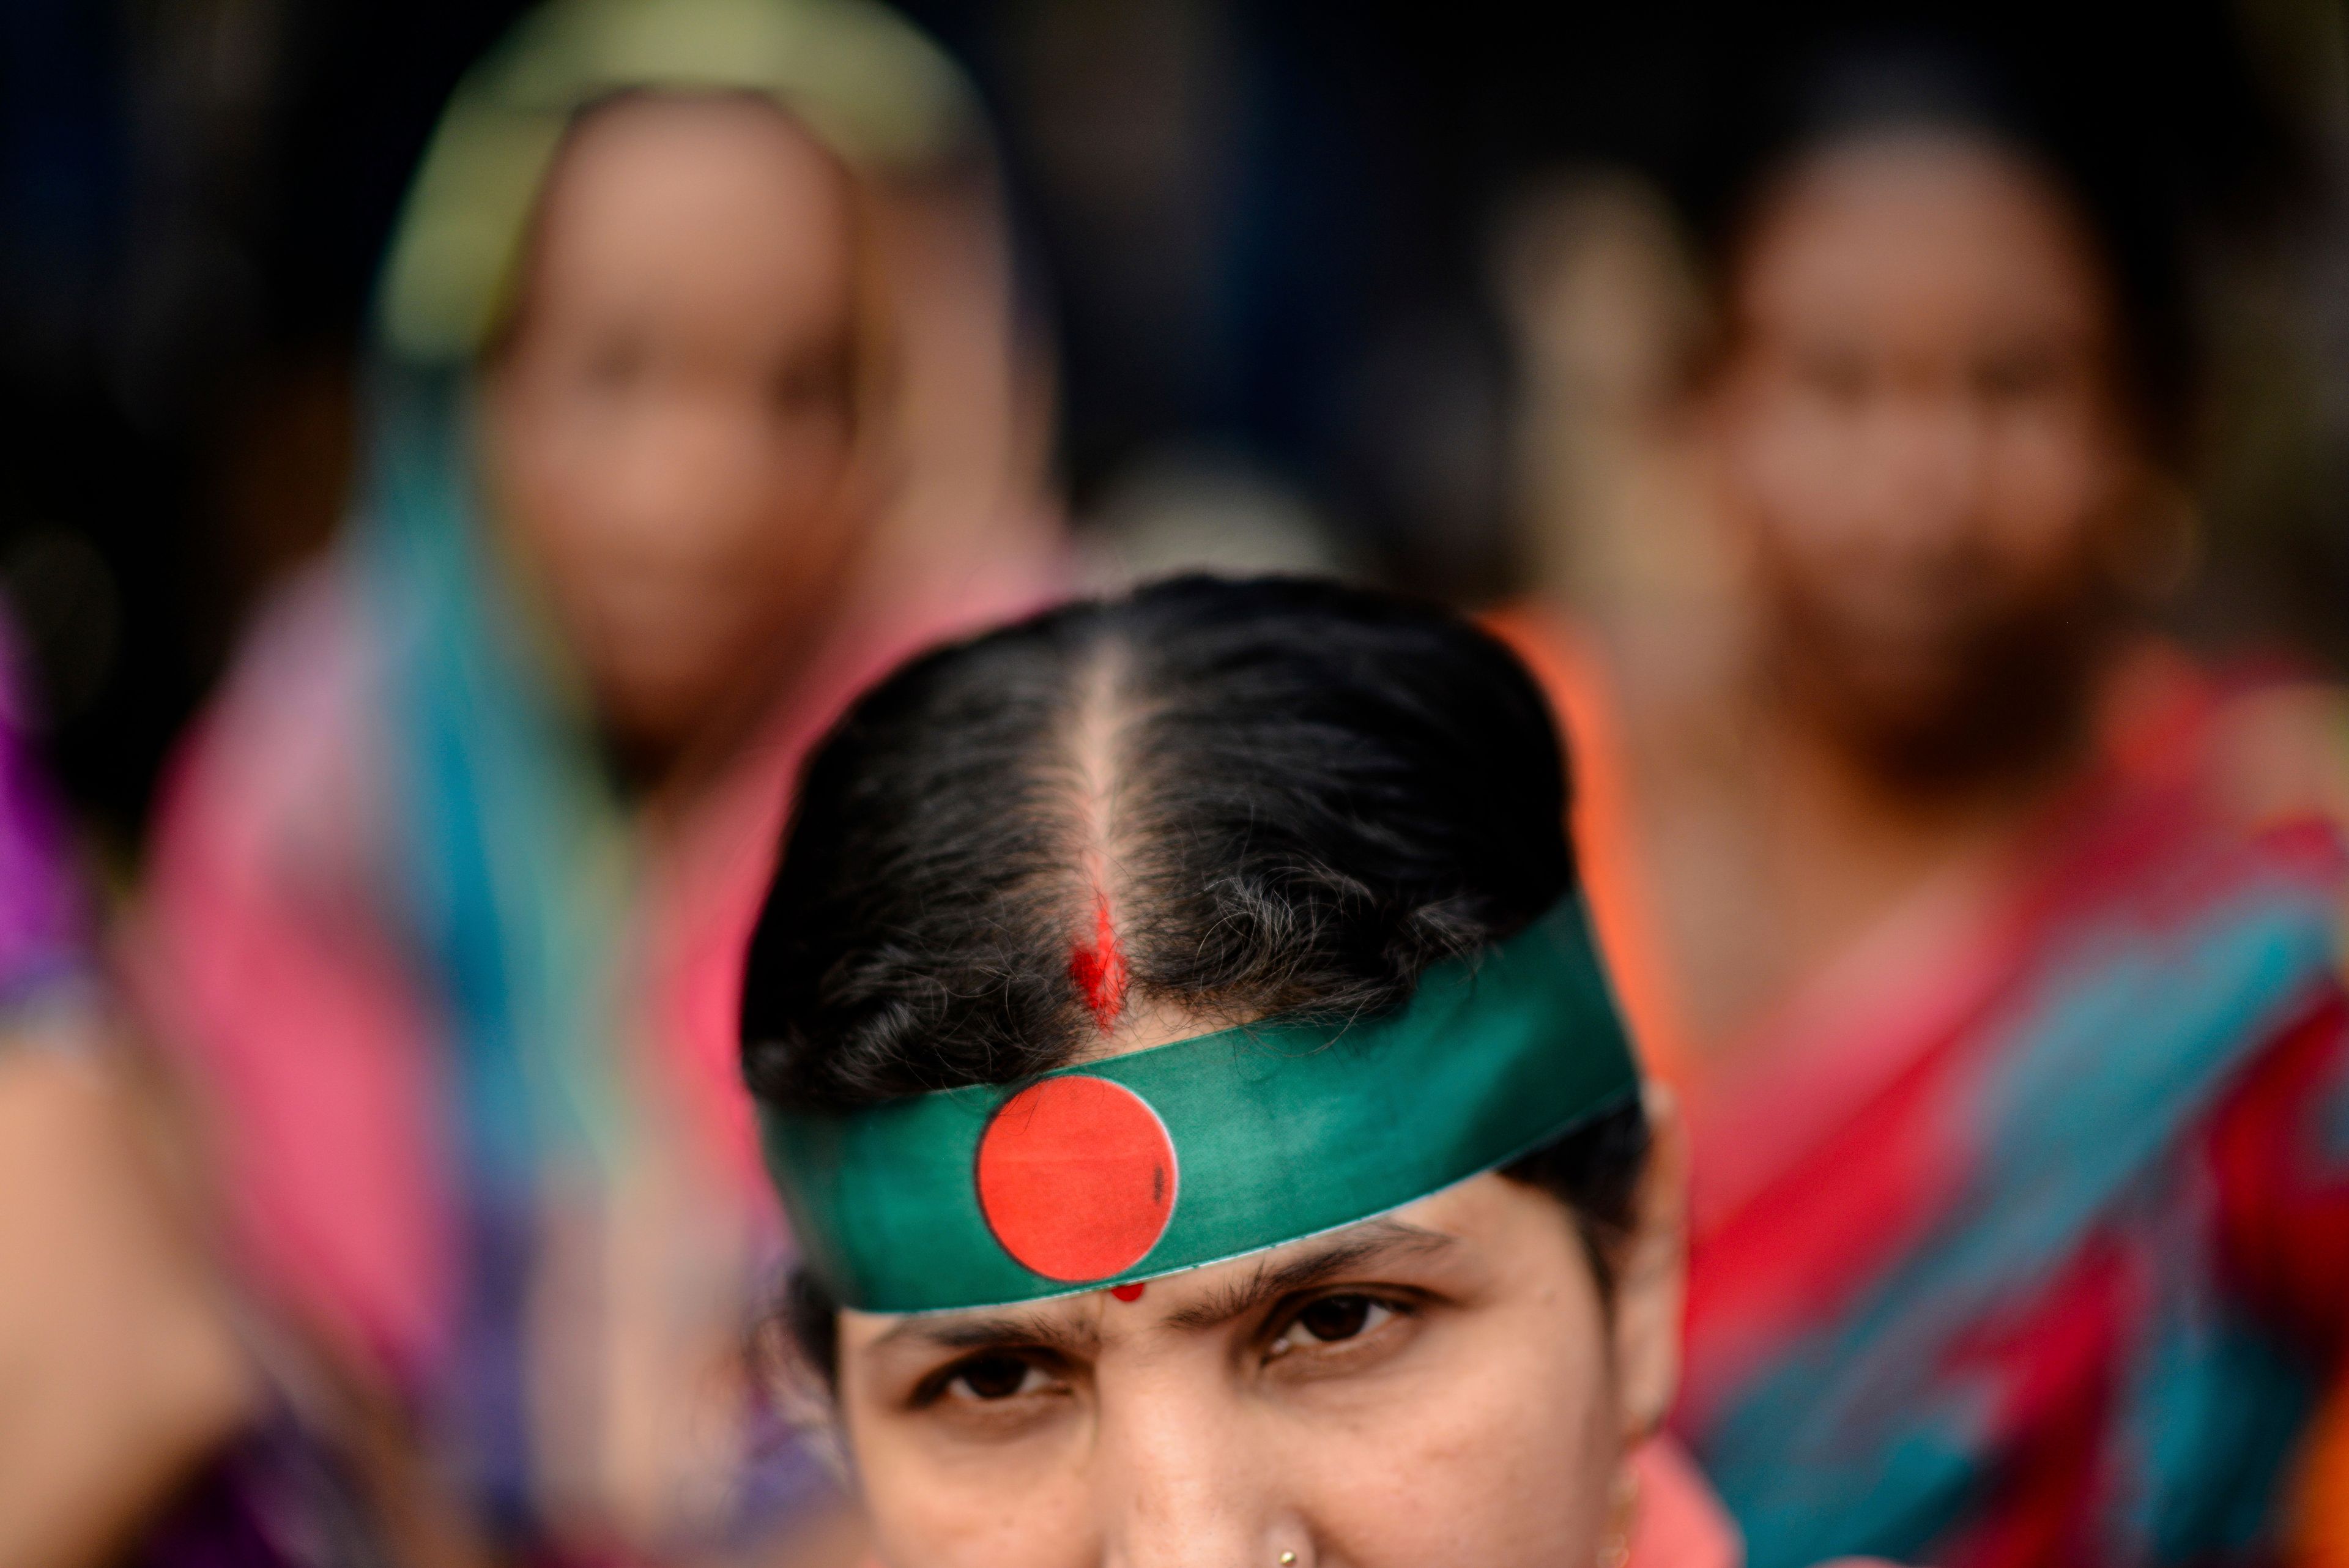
{"x": 870, "y": 87}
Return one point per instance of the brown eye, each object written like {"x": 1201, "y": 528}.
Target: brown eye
{"x": 1839, "y": 378}
{"x": 991, "y": 1377}
{"x": 1333, "y": 1318}
{"x": 2010, "y": 378}
{"x": 615, "y": 365}
{"x": 814, "y": 382}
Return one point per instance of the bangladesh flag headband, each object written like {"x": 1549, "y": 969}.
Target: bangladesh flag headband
{"x": 1116, "y": 1171}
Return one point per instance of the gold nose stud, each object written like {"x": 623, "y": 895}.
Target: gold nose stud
{"x": 1289, "y": 1560}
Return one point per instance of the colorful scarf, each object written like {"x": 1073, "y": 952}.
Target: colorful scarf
{"x": 2021, "y": 1237}
{"x": 2034, "y": 1252}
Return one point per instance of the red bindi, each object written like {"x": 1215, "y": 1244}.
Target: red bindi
{"x": 1099, "y": 969}
{"x": 1128, "y": 1293}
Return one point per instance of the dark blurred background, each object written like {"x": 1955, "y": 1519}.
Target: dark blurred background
{"x": 1264, "y": 237}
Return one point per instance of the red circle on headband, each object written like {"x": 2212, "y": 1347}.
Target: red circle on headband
{"x": 1076, "y": 1178}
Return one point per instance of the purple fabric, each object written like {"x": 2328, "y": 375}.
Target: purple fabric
{"x": 42, "y": 918}
{"x": 273, "y": 1499}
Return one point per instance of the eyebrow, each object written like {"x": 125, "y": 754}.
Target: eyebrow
{"x": 1042, "y": 1330}
{"x": 1355, "y": 1247}
{"x": 1351, "y": 1248}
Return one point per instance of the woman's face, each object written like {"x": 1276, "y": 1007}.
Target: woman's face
{"x": 670, "y": 417}
{"x": 1921, "y": 429}
{"x": 1440, "y": 1386}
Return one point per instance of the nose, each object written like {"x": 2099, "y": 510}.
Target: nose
{"x": 1929, "y": 474}
{"x": 1185, "y": 1486}
{"x": 680, "y": 477}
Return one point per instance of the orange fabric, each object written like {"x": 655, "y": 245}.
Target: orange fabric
{"x": 1571, "y": 672}
{"x": 2322, "y": 1538}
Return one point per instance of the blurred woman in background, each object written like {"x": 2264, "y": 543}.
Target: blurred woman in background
{"x": 699, "y": 397}
{"x": 2019, "y": 1236}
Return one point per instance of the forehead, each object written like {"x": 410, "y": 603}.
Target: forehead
{"x": 1918, "y": 221}
{"x": 726, "y": 189}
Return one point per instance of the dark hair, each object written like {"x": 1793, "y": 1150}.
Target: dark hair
{"x": 1860, "y": 87}
{"x": 1305, "y": 794}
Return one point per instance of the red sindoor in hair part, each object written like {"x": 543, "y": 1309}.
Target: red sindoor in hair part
{"x": 1099, "y": 969}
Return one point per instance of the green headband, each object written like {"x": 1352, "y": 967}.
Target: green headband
{"x": 1119, "y": 1171}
